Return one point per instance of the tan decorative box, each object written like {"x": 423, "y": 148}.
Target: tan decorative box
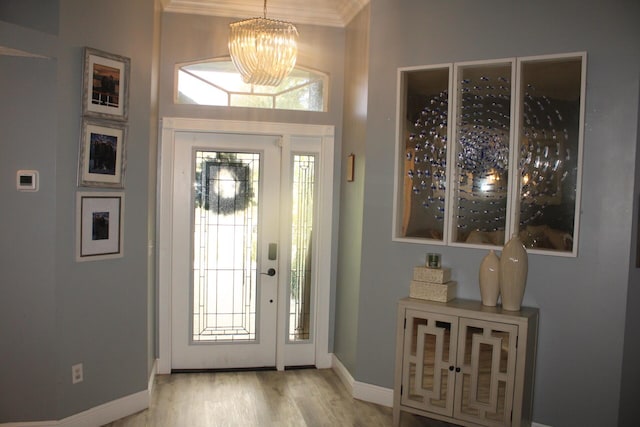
{"x": 442, "y": 292}
{"x": 432, "y": 275}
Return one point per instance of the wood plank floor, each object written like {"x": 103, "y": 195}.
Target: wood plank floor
{"x": 295, "y": 398}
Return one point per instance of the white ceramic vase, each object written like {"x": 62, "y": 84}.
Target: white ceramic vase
{"x": 489, "y": 279}
{"x": 514, "y": 266}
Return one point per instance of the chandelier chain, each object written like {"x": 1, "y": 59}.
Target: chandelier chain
{"x": 265, "y": 9}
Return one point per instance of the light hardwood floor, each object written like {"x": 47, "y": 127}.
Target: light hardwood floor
{"x": 295, "y": 398}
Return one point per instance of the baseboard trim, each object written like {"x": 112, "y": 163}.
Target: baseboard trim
{"x": 109, "y": 411}
{"x": 103, "y": 414}
{"x": 362, "y": 391}
{"x": 371, "y": 393}
{"x": 343, "y": 373}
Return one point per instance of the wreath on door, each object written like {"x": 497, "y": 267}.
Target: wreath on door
{"x": 225, "y": 186}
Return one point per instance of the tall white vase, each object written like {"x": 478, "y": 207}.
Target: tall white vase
{"x": 489, "y": 279}
{"x": 514, "y": 266}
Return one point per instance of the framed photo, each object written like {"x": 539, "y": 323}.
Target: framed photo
{"x": 102, "y": 154}
{"x": 99, "y": 225}
{"x": 105, "y": 85}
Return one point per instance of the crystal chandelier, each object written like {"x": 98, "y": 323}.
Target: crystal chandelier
{"x": 263, "y": 50}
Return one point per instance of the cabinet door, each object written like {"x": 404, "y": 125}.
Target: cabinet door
{"x": 428, "y": 361}
{"x": 487, "y": 361}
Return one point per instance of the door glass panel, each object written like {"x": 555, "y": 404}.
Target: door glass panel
{"x": 300, "y": 289}
{"x": 550, "y": 104}
{"x": 482, "y": 138}
{"x": 225, "y": 245}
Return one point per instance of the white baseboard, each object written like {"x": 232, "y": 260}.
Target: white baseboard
{"x": 103, "y": 414}
{"x": 363, "y": 391}
{"x": 342, "y": 373}
{"x": 372, "y": 393}
{"x": 108, "y": 412}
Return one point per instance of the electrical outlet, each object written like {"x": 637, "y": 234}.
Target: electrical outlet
{"x": 77, "y": 376}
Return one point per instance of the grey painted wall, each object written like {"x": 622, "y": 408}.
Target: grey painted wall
{"x": 352, "y": 193}
{"x": 56, "y": 312}
{"x": 40, "y": 15}
{"x": 27, "y": 286}
{"x": 582, "y": 300}
{"x": 629, "y": 408}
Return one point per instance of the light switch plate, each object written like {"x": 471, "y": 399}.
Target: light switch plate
{"x": 27, "y": 180}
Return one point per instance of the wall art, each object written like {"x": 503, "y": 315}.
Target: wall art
{"x": 105, "y": 88}
{"x": 102, "y": 158}
{"x": 99, "y": 225}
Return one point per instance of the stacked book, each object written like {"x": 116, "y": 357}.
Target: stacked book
{"x": 432, "y": 284}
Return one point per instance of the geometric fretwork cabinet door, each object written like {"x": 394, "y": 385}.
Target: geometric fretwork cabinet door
{"x": 429, "y": 353}
{"x": 487, "y": 361}
{"x": 465, "y": 363}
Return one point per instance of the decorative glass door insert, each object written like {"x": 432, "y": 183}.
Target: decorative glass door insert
{"x": 301, "y": 277}
{"x": 225, "y": 246}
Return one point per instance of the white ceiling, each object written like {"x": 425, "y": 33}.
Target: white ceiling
{"x": 333, "y": 13}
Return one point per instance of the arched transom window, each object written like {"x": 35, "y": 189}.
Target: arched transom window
{"x": 217, "y": 82}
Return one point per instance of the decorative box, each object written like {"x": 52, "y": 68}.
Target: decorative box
{"x": 432, "y": 275}
{"x": 442, "y": 292}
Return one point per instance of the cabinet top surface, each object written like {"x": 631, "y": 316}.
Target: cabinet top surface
{"x": 464, "y": 304}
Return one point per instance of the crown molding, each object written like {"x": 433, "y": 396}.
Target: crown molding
{"x": 332, "y": 13}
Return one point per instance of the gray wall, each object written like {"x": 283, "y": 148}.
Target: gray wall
{"x": 27, "y": 286}
{"x": 582, "y": 300}
{"x": 629, "y": 408}
{"x": 57, "y": 312}
{"x": 352, "y": 193}
{"x": 40, "y": 15}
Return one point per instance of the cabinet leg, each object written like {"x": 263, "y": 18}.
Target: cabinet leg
{"x": 396, "y": 417}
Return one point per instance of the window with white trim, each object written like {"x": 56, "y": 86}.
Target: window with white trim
{"x": 217, "y": 82}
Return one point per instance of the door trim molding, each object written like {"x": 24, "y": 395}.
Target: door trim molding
{"x": 169, "y": 127}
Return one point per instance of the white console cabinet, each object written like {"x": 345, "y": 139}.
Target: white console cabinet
{"x": 465, "y": 363}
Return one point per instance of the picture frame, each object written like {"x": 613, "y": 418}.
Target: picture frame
{"x": 102, "y": 157}
{"x": 105, "y": 85}
{"x": 99, "y": 225}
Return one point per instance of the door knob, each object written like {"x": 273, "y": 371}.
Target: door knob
{"x": 270, "y": 272}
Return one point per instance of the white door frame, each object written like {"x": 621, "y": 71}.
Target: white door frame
{"x": 170, "y": 126}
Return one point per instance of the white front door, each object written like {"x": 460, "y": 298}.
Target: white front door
{"x": 225, "y": 219}
{"x": 244, "y": 233}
